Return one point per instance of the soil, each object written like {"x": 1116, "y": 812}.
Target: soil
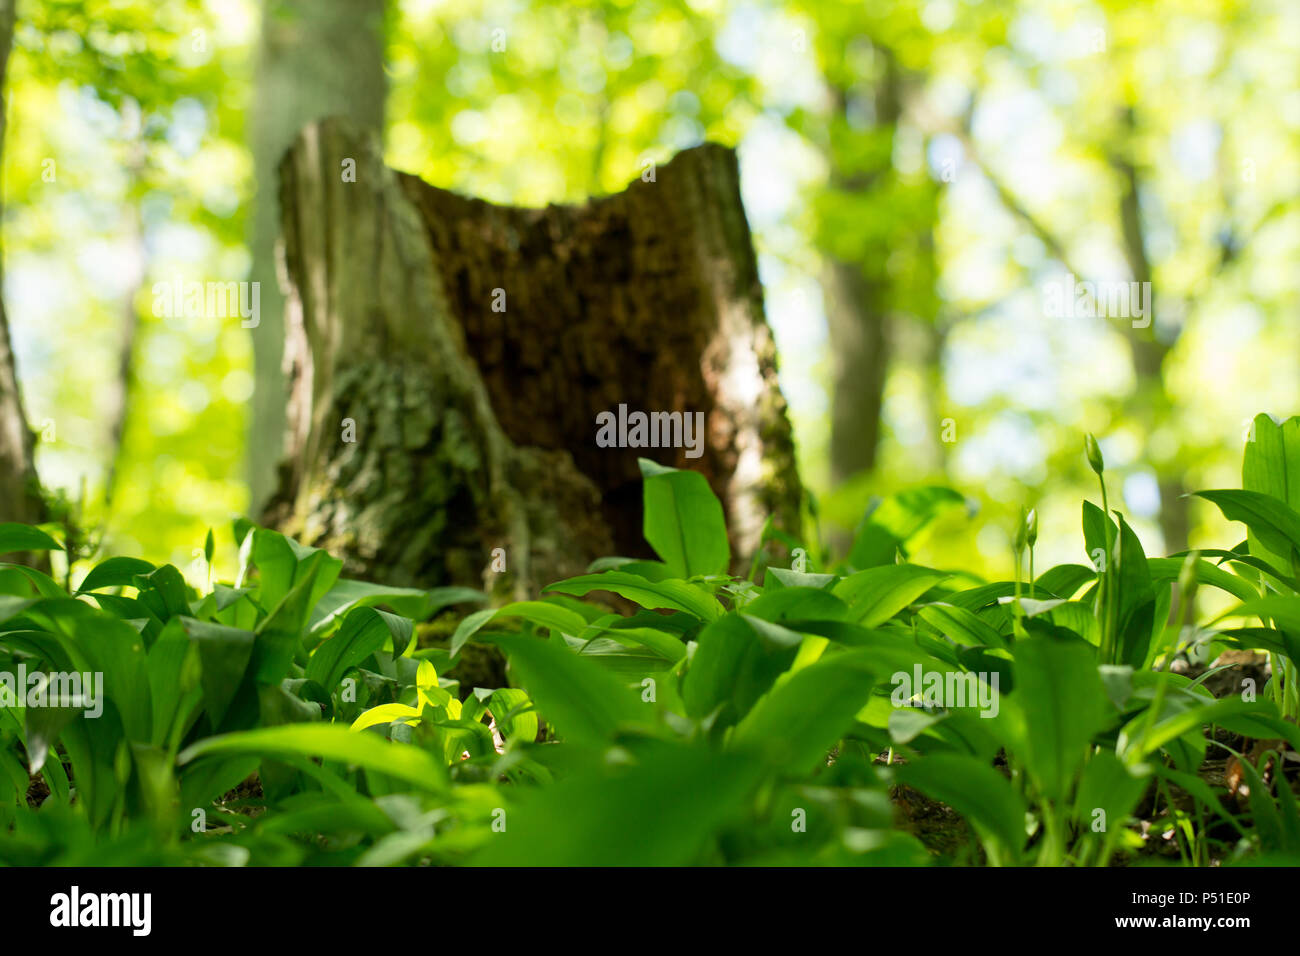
{"x": 940, "y": 828}
{"x": 37, "y": 791}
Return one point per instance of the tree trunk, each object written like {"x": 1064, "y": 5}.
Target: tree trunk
{"x": 20, "y": 498}
{"x": 449, "y": 359}
{"x": 858, "y": 301}
{"x": 857, "y": 324}
{"x": 318, "y": 58}
{"x": 1149, "y": 402}
{"x": 119, "y": 402}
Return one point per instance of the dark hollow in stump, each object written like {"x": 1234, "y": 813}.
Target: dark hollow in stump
{"x": 448, "y": 359}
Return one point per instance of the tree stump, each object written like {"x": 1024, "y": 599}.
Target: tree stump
{"x": 448, "y": 360}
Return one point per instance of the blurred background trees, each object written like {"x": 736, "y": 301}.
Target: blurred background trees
{"x": 19, "y": 495}
{"x": 315, "y": 58}
{"x": 916, "y": 172}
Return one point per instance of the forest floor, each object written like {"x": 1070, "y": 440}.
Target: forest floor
{"x": 945, "y": 834}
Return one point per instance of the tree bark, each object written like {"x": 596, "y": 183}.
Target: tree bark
{"x": 471, "y": 347}
{"x": 20, "y": 498}
{"x": 318, "y": 58}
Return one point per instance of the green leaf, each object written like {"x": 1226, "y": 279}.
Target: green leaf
{"x": 877, "y": 594}
{"x": 37, "y": 582}
{"x": 514, "y": 714}
{"x": 1258, "y": 719}
{"x": 164, "y": 593}
{"x": 93, "y": 749}
{"x": 13, "y": 773}
{"x": 279, "y": 636}
{"x": 329, "y": 742}
{"x": 666, "y": 646}
{"x": 1269, "y": 826}
{"x": 115, "y": 572}
{"x": 203, "y": 781}
{"x": 650, "y": 570}
{"x": 776, "y": 578}
{"x": 683, "y": 521}
{"x": 890, "y": 651}
{"x": 797, "y": 603}
{"x": 44, "y": 725}
{"x": 1099, "y": 533}
{"x": 1203, "y": 793}
{"x": 538, "y": 612}
{"x": 1107, "y": 785}
{"x": 24, "y": 537}
{"x": 1283, "y": 612}
{"x": 984, "y": 797}
{"x": 1275, "y": 524}
{"x": 1271, "y": 463}
{"x": 896, "y": 521}
{"x": 415, "y": 603}
{"x": 659, "y": 812}
{"x": 586, "y": 704}
{"x": 978, "y": 598}
{"x": 12, "y": 606}
{"x": 386, "y": 714}
{"x": 290, "y": 701}
{"x": 1064, "y": 580}
{"x": 1271, "y": 466}
{"x": 283, "y": 563}
{"x": 1135, "y": 619}
{"x": 1064, "y": 703}
{"x": 1264, "y": 639}
{"x": 363, "y": 632}
{"x": 796, "y": 725}
{"x": 100, "y": 643}
{"x": 961, "y": 626}
{"x": 1164, "y": 570}
{"x": 224, "y": 655}
{"x": 1246, "y": 561}
{"x": 635, "y": 662}
{"x": 733, "y": 665}
{"x": 169, "y": 682}
{"x": 660, "y": 595}
{"x": 239, "y": 529}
